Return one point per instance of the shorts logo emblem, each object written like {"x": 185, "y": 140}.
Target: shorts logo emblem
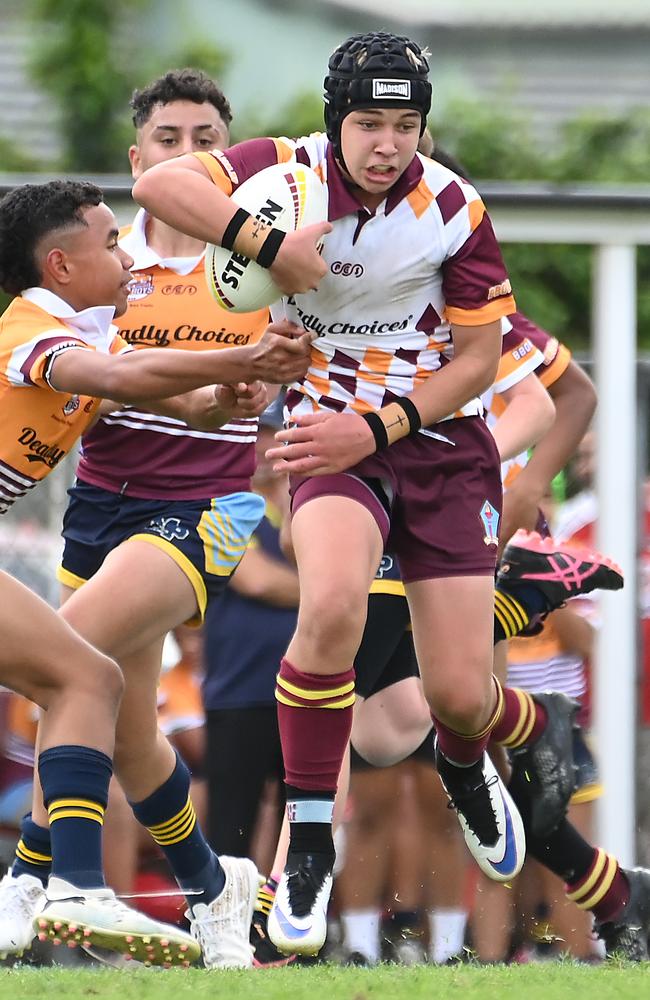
{"x": 385, "y": 566}
{"x": 490, "y": 518}
{"x": 168, "y": 528}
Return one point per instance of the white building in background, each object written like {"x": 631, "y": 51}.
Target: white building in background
{"x": 553, "y": 59}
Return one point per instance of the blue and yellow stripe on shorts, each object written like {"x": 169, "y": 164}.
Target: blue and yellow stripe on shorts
{"x": 206, "y": 538}
{"x": 218, "y": 535}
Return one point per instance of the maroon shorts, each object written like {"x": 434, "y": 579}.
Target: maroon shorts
{"x": 437, "y": 504}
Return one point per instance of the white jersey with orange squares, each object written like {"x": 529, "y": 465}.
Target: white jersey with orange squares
{"x": 396, "y": 277}
{"x": 519, "y": 358}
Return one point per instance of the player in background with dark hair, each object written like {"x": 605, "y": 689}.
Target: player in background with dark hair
{"x": 617, "y": 898}
{"x": 134, "y": 468}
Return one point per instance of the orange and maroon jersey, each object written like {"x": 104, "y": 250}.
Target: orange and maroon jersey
{"x": 39, "y": 424}
{"x": 148, "y": 456}
{"x": 556, "y": 356}
{"x": 551, "y": 359}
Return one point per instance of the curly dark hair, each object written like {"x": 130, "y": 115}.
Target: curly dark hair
{"x": 30, "y": 212}
{"x": 179, "y": 85}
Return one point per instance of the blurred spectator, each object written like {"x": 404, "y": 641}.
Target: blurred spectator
{"x": 246, "y": 634}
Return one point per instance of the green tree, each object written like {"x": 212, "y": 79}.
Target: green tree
{"x": 83, "y": 57}
{"x": 75, "y": 61}
{"x": 14, "y": 160}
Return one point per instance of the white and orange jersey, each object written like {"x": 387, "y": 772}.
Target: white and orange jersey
{"x": 533, "y": 350}
{"x": 39, "y": 424}
{"x": 539, "y": 662}
{"x": 21, "y": 726}
{"x": 396, "y": 277}
{"x": 146, "y": 455}
{"x": 180, "y": 706}
{"x": 519, "y": 358}
{"x": 575, "y": 520}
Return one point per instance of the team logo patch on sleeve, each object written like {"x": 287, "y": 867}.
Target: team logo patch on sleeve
{"x": 490, "y": 518}
{"x": 505, "y": 288}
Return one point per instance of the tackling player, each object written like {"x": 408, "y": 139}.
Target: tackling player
{"x": 161, "y": 512}
{"x": 59, "y": 353}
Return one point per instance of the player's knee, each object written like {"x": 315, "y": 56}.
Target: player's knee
{"x": 334, "y": 618}
{"x": 103, "y": 680}
{"x": 463, "y": 708}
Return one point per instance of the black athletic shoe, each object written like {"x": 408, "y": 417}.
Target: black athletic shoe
{"x": 548, "y": 765}
{"x": 490, "y": 821}
{"x": 265, "y": 954}
{"x": 627, "y": 936}
{"x": 559, "y": 571}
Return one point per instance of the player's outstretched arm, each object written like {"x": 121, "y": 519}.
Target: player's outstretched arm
{"x": 528, "y": 416}
{"x": 574, "y": 397}
{"x": 181, "y": 193}
{"x": 281, "y": 356}
{"x": 209, "y": 407}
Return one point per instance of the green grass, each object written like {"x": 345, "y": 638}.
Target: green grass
{"x": 552, "y": 981}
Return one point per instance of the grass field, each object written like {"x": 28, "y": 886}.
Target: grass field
{"x": 552, "y": 981}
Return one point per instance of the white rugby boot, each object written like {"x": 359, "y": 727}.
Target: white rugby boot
{"x": 222, "y": 927}
{"x": 95, "y": 917}
{"x": 21, "y": 900}
{"x": 490, "y": 821}
{"x": 297, "y": 922}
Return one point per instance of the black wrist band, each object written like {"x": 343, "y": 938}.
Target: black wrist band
{"x": 411, "y": 411}
{"x": 378, "y": 428}
{"x": 233, "y": 227}
{"x": 270, "y": 248}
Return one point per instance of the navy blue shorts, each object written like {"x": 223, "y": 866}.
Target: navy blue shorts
{"x": 206, "y": 538}
{"x": 588, "y": 786}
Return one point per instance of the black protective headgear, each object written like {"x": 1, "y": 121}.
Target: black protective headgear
{"x": 374, "y": 70}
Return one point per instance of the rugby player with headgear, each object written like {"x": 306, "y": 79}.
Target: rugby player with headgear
{"x": 386, "y": 442}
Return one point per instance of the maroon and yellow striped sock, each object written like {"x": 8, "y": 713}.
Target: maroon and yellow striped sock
{"x": 466, "y": 749}
{"x": 521, "y": 720}
{"x": 315, "y": 720}
{"x": 603, "y": 889}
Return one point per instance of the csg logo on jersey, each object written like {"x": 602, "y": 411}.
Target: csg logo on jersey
{"x": 524, "y": 348}
{"x": 140, "y": 286}
{"x": 346, "y": 269}
{"x": 179, "y": 290}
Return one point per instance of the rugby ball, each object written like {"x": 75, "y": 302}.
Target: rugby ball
{"x": 289, "y": 196}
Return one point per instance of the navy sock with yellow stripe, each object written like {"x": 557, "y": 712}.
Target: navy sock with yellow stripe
{"x": 33, "y": 851}
{"x": 75, "y": 789}
{"x": 168, "y": 815}
{"x": 513, "y": 609}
